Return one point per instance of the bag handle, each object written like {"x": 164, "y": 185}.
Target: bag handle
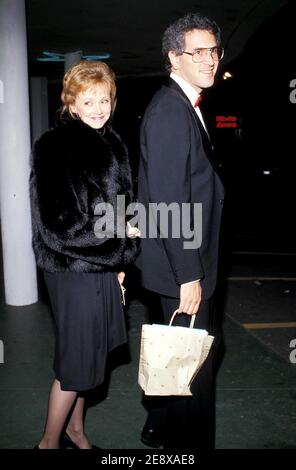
{"x": 176, "y": 312}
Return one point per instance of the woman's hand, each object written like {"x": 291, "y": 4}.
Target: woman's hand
{"x": 120, "y": 277}
{"x": 132, "y": 232}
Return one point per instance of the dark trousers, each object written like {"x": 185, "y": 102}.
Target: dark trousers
{"x": 188, "y": 422}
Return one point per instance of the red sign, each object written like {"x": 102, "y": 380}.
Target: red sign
{"x": 226, "y": 122}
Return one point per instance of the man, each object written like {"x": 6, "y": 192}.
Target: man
{"x": 177, "y": 165}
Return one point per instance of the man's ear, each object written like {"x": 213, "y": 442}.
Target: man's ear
{"x": 174, "y": 59}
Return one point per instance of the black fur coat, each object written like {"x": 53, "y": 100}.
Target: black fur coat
{"x": 73, "y": 168}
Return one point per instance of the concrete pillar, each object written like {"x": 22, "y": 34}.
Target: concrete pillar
{"x": 72, "y": 58}
{"x": 18, "y": 258}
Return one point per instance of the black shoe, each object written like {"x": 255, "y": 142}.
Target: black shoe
{"x": 67, "y": 443}
{"x": 151, "y": 437}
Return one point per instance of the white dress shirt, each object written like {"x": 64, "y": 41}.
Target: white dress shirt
{"x": 191, "y": 94}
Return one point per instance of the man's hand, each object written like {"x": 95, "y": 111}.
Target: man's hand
{"x": 190, "y": 298}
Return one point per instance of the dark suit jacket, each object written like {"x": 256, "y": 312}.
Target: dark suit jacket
{"x": 177, "y": 165}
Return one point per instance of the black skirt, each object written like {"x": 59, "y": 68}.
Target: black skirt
{"x": 89, "y": 321}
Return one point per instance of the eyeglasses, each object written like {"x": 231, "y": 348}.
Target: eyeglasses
{"x": 200, "y": 53}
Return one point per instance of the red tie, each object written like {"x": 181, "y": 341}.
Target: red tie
{"x": 198, "y": 101}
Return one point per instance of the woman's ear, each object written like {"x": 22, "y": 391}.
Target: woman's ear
{"x": 73, "y": 109}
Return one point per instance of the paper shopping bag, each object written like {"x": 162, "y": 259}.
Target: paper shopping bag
{"x": 170, "y": 357}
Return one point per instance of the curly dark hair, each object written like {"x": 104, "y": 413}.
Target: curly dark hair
{"x": 174, "y": 36}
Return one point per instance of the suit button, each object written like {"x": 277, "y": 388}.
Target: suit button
{"x": 221, "y": 201}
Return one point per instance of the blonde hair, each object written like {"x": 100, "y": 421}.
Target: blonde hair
{"x": 82, "y": 76}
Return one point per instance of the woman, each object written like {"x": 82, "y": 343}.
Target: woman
{"x": 76, "y": 166}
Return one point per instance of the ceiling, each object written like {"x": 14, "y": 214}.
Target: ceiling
{"x": 131, "y": 30}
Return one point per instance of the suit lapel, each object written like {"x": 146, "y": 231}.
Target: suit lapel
{"x": 177, "y": 91}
